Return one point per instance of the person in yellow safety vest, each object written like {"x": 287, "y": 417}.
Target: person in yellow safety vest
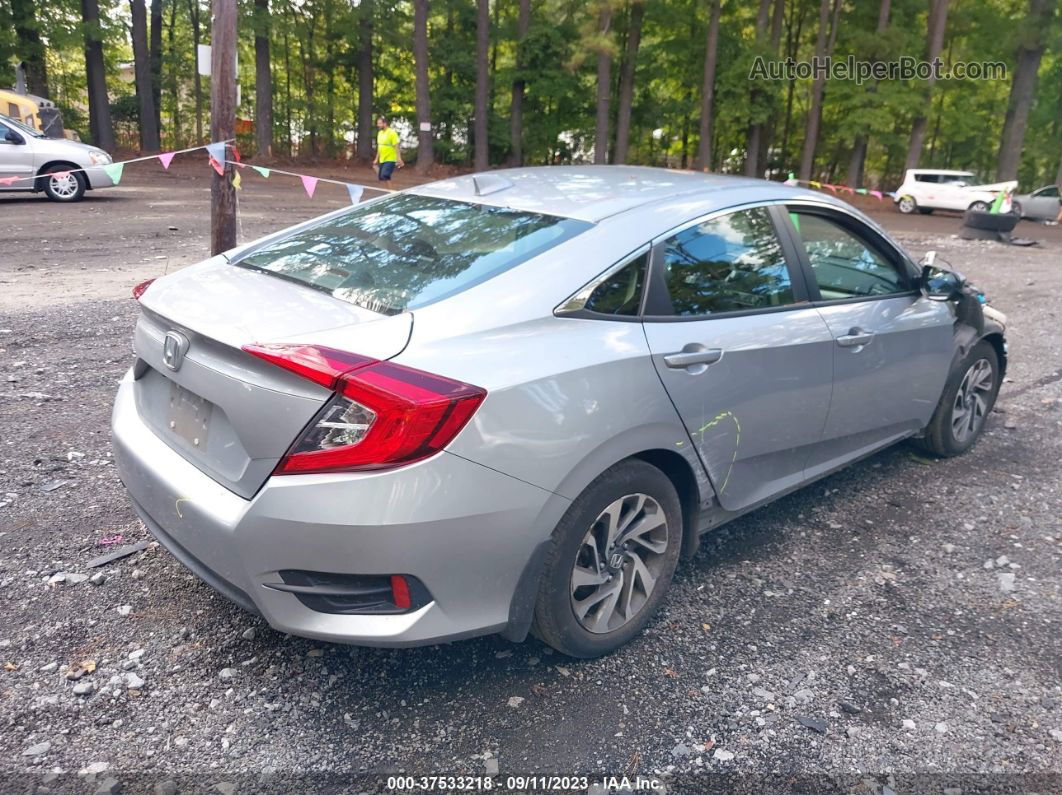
{"x": 388, "y": 152}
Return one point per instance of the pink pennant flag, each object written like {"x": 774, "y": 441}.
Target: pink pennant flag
{"x": 61, "y": 174}
{"x": 8, "y": 180}
{"x": 217, "y": 166}
{"x": 833, "y": 188}
{"x": 876, "y": 193}
{"x": 310, "y": 183}
{"x": 166, "y": 158}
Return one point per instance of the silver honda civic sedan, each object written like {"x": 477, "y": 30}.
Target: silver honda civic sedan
{"x": 511, "y": 402}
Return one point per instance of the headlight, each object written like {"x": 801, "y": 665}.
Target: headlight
{"x": 99, "y": 158}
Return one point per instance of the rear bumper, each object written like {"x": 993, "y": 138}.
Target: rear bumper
{"x": 467, "y": 532}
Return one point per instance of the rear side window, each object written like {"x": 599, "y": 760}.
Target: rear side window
{"x": 407, "y": 251}
{"x": 845, "y": 266}
{"x": 620, "y": 293}
{"x": 727, "y": 264}
{"x": 927, "y": 177}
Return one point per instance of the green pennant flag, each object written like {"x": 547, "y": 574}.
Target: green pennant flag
{"x": 114, "y": 171}
{"x": 862, "y": 191}
{"x": 262, "y": 170}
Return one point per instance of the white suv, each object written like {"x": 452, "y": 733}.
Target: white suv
{"x": 926, "y": 189}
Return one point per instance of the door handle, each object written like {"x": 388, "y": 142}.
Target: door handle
{"x": 856, "y": 338}
{"x": 691, "y": 355}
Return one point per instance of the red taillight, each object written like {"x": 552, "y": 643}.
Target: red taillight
{"x": 383, "y": 415}
{"x": 141, "y": 288}
{"x": 400, "y": 592}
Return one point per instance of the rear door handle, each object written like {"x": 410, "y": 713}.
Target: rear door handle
{"x": 856, "y": 338}
{"x": 691, "y": 355}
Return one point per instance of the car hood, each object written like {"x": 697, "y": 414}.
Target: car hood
{"x": 996, "y": 186}
{"x": 62, "y": 147}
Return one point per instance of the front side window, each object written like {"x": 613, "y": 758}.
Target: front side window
{"x": 730, "y": 263}
{"x": 844, "y": 265}
{"x": 407, "y": 251}
{"x": 1050, "y": 192}
{"x": 926, "y": 178}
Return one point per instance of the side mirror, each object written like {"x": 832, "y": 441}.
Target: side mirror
{"x": 13, "y": 137}
{"x": 940, "y": 285}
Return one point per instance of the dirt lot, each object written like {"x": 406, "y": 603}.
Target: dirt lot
{"x": 864, "y": 628}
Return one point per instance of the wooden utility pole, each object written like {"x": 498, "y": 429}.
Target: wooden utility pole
{"x": 223, "y": 122}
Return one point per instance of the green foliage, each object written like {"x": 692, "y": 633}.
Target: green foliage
{"x": 314, "y": 48}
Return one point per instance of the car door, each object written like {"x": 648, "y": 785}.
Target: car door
{"x": 1043, "y": 204}
{"x": 744, "y": 357}
{"x": 16, "y": 158}
{"x": 892, "y": 345}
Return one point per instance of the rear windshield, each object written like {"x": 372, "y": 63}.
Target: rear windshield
{"x": 407, "y": 251}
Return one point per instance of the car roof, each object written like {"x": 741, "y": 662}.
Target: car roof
{"x": 947, "y": 171}
{"x": 587, "y": 193}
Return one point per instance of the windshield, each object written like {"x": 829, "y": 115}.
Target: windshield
{"x": 21, "y": 127}
{"x": 407, "y": 251}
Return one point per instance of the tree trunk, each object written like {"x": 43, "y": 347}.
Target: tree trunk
{"x": 425, "y": 155}
{"x": 30, "y": 47}
{"x": 938, "y": 16}
{"x": 626, "y": 90}
{"x": 156, "y": 61}
{"x": 149, "y": 130}
{"x": 754, "y": 139}
{"x": 223, "y": 122}
{"x": 480, "y": 131}
{"x": 263, "y": 81}
{"x": 174, "y": 79}
{"x": 100, "y": 127}
{"x": 604, "y": 87}
{"x": 824, "y": 42}
{"x": 1023, "y": 88}
{"x": 703, "y": 161}
{"x": 197, "y": 81}
{"x": 365, "y": 80}
{"x": 859, "y": 146}
{"x": 516, "y": 109}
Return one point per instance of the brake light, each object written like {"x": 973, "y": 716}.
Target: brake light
{"x": 383, "y": 415}
{"x": 141, "y": 288}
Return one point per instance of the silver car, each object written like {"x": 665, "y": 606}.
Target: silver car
{"x": 512, "y": 401}
{"x": 62, "y": 169}
{"x": 1040, "y": 205}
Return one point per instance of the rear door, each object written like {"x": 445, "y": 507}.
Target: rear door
{"x": 892, "y": 346}
{"x": 745, "y": 358}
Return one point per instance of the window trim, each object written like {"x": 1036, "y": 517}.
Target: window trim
{"x": 863, "y": 232}
{"x": 575, "y": 304}
{"x": 657, "y": 306}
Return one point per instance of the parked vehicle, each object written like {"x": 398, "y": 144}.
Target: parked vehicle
{"x": 514, "y": 400}
{"x": 1040, "y": 205}
{"x": 62, "y": 169}
{"x": 927, "y": 189}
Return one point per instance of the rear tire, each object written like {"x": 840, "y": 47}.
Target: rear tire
{"x": 611, "y": 561}
{"x": 968, "y": 398}
{"x": 980, "y": 207}
{"x": 63, "y": 185}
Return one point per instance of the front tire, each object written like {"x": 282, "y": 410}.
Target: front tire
{"x": 969, "y": 396}
{"x": 979, "y": 207}
{"x": 62, "y": 185}
{"x": 611, "y": 561}
{"x": 907, "y": 205}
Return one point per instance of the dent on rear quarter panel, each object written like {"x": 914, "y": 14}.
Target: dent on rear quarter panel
{"x": 566, "y": 399}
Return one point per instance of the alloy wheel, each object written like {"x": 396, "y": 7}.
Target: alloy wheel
{"x": 970, "y": 408}
{"x": 618, "y": 563}
{"x": 907, "y": 205}
{"x": 64, "y": 186}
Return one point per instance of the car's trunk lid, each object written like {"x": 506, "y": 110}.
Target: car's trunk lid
{"x": 230, "y": 413}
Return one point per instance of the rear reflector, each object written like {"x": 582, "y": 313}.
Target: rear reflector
{"x": 400, "y": 592}
{"x": 383, "y": 415}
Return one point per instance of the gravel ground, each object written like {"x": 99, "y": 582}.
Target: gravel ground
{"x": 901, "y": 617}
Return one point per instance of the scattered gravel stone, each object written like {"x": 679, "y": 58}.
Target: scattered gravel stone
{"x": 1057, "y": 734}
{"x": 849, "y": 707}
{"x": 515, "y": 701}
{"x": 680, "y": 751}
{"x": 40, "y": 749}
{"x": 490, "y": 766}
{"x": 125, "y": 610}
{"x": 1006, "y": 582}
{"x": 248, "y": 634}
{"x": 98, "y": 578}
{"x": 48, "y": 668}
{"x": 168, "y": 787}
{"x": 134, "y": 682}
{"x": 84, "y": 688}
{"x": 227, "y": 673}
{"x": 109, "y": 786}
{"x": 815, "y": 724}
{"x": 941, "y": 728}
{"x": 909, "y": 724}
{"x": 723, "y": 756}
